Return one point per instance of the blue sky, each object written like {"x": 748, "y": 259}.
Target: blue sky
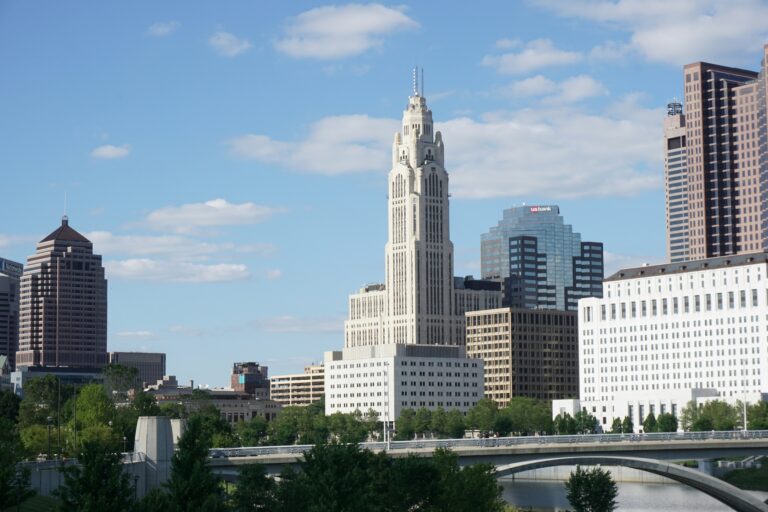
{"x": 229, "y": 159}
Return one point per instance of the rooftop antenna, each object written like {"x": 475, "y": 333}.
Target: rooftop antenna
{"x": 415, "y": 81}
{"x": 422, "y": 82}
{"x": 65, "y": 217}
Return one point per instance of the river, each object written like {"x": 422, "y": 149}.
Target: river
{"x": 549, "y": 496}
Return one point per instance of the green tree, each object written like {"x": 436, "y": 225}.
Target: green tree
{"x": 406, "y": 425}
{"x": 713, "y": 415}
{"x": 564, "y": 424}
{"x": 145, "y": 404}
{"x": 253, "y": 432}
{"x": 483, "y": 415}
{"x": 44, "y": 397}
{"x": 192, "y": 485}
{"x": 454, "y": 424}
{"x": 650, "y": 424}
{"x": 336, "y": 478}
{"x": 591, "y": 490}
{"x": 422, "y": 421}
{"x": 119, "y": 380}
{"x": 94, "y": 406}
{"x": 175, "y": 410}
{"x": 757, "y": 416}
{"x": 98, "y": 483}
{"x": 465, "y": 489}
{"x": 255, "y": 490}
{"x": 627, "y": 425}
{"x": 413, "y": 484}
{"x": 439, "y": 423}
{"x": 529, "y": 415}
{"x": 9, "y": 405}
{"x": 585, "y": 422}
{"x": 14, "y": 481}
{"x": 616, "y": 426}
{"x": 666, "y": 422}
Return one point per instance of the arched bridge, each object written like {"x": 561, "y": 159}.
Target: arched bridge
{"x": 718, "y": 489}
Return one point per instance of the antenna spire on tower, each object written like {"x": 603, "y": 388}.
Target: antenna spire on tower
{"x": 422, "y": 82}
{"x": 415, "y": 80}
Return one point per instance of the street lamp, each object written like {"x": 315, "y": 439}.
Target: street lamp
{"x": 50, "y": 420}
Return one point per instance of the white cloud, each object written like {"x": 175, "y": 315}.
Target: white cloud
{"x": 577, "y": 88}
{"x": 570, "y": 90}
{"x": 334, "y": 145}
{"x": 217, "y": 212}
{"x": 534, "y": 86}
{"x": 553, "y": 151}
{"x": 175, "y": 246}
{"x": 185, "y": 330}
{"x": 334, "y": 32}
{"x": 537, "y": 54}
{"x": 110, "y": 152}
{"x": 274, "y": 273}
{"x": 136, "y": 334}
{"x": 228, "y": 45}
{"x": 145, "y": 269}
{"x": 10, "y": 240}
{"x": 163, "y": 28}
{"x": 610, "y": 50}
{"x": 682, "y": 31}
{"x": 506, "y": 44}
{"x": 289, "y": 323}
{"x": 614, "y": 262}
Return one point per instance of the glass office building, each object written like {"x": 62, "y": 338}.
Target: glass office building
{"x": 542, "y": 262}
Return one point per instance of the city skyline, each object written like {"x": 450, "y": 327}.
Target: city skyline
{"x": 217, "y": 159}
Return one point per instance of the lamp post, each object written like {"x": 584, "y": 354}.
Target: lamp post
{"x": 49, "y": 438}
{"x": 124, "y": 445}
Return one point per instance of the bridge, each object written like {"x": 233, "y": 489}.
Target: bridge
{"x": 654, "y": 453}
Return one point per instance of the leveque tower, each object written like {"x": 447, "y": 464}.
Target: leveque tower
{"x": 420, "y": 301}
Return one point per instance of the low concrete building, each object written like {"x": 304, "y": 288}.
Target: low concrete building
{"x": 299, "y": 388}
{"x": 233, "y": 405}
{"x": 389, "y": 378}
{"x": 527, "y": 352}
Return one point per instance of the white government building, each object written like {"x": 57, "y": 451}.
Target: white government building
{"x": 420, "y": 302}
{"x": 663, "y": 335}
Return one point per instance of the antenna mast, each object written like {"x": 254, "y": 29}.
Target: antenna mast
{"x": 422, "y": 82}
{"x": 415, "y": 81}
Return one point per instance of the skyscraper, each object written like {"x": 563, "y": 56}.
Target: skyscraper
{"x": 420, "y": 301}
{"x": 542, "y": 262}
{"x": 676, "y": 183}
{"x": 726, "y": 164}
{"x": 10, "y": 272}
{"x": 63, "y": 307}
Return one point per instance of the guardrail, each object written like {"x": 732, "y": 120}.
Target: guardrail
{"x": 492, "y": 442}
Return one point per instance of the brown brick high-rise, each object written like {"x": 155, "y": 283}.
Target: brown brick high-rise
{"x": 63, "y": 306}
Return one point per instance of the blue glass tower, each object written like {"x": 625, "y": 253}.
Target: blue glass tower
{"x": 541, "y": 260}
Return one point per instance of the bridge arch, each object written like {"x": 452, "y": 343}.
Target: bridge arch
{"x": 722, "y": 491}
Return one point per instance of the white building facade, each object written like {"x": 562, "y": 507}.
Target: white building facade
{"x": 393, "y": 377}
{"x": 418, "y": 303}
{"x": 667, "y": 334}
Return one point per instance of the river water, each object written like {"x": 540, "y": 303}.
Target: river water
{"x": 549, "y": 496}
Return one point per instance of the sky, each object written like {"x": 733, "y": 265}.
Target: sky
{"x": 229, "y": 159}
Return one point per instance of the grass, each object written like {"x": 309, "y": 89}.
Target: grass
{"x": 39, "y": 504}
{"x": 749, "y": 479}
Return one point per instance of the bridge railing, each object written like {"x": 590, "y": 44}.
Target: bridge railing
{"x": 502, "y": 441}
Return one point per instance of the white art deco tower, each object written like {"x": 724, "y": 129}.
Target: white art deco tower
{"x": 420, "y": 301}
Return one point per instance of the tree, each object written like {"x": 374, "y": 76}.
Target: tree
{"x": 406, "y": 425}
{"x": 255, "y": 490}
{"x": 422, "y": 421}
{"x": 616, "y": 427}
{"x": 119, "y": 380}
{"x": 336, "y": 478}
{"x": 650, "y": 423}
{"x": 585, "y": 422}
{"x": 454, "y": 424}
{"x": 253, "y": 432}
{"x": 98, "y": 483}
{"x": 42, "y": 400}
{"x": 192, "y": 485}
{"x": 666, "y": 422}
{"x": 529, "y": 415}
{"x": 14, "y": 481}
{"x": 713, "y": 415}
{"x": 439, "y": 422}
{"x": 564, "y": 424}
{"x": 757, "y": 416}
{"x": 483, "y": 415}
{"x": 9, "y": 405}
{"x": 591, "y": 490}
{"x": 465, "y": 489}
{"x": 627, "y": 425}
